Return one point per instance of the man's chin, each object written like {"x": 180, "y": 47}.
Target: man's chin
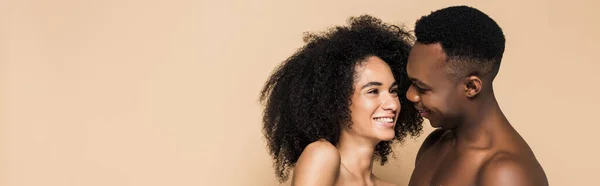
{"x": 434, "y": 124}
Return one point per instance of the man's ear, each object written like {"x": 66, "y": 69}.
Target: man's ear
{"x": 473, "y": 85}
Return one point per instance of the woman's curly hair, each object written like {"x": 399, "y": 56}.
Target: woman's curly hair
{"x": 308, "y": 96}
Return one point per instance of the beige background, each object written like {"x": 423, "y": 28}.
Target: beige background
{"x": 147, "y": 92}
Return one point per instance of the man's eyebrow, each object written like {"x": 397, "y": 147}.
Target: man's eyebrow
{"x": 417, "y": 81}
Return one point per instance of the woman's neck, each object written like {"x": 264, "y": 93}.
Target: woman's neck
{"x": 357, "y": 155}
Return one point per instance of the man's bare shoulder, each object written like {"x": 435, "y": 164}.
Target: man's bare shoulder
{"x": 318, "y": 164}
{"x": 504, "y": 168}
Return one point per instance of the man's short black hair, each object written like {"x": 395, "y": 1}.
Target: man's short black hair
{"x": 472, "y": 41}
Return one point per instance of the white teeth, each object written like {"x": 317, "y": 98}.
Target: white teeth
{"x": 385, "y": 120}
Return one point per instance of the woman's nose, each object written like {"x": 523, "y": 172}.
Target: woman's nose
{"x": 391, "y": 103}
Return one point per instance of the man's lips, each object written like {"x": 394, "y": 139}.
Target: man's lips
{"x": 423, "y": 112}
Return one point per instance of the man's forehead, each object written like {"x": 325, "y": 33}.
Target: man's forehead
{"x": 428, "y": 51}
{"x": 425, "y": 60}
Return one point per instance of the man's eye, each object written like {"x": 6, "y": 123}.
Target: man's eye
{"x": 421, "y": 90}
{"x": 373, "y": 91}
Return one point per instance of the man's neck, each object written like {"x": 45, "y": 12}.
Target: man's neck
{"x": 480, "y": 122}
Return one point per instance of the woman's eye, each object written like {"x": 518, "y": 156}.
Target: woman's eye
{"x": 373, "y": 91}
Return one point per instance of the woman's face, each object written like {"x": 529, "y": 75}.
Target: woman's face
{"x": 375, "y": 104}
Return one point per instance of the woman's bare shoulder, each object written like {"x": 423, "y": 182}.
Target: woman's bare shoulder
{"x": 380, "y": 182}
{"x": 319, "y": 164}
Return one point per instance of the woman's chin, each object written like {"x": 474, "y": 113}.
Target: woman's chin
{"x": 387, "y": 136}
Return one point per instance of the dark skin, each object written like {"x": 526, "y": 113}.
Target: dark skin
{"x": 474, "y": 143}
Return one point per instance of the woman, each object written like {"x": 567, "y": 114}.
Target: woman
{"x": 338, "y": 104}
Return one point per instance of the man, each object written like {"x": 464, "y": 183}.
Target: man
{"x": 452, "y": 65}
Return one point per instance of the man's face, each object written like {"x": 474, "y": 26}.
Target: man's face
{"x": 436, "y": 96}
